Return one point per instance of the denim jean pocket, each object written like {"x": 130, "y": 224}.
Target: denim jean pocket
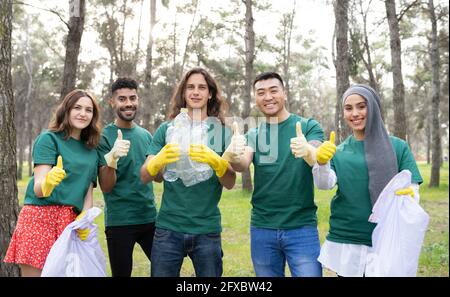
{"x": 161, "y": 233}
{"x": 215, "y": 236}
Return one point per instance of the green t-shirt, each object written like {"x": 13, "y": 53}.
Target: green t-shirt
{"x": 351, "y": 205}
{"x": 283, "y": 197}
{"x": 79, "y": 162}
{"x": 193, "y": 209}
{"x": 130, "y": 202}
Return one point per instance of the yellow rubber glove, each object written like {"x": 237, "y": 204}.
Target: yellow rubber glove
{"x": 169, "y": 153}
{"x": 82, "y": 233}
{"x": 202, "y": 153}
{"x": 120, "y": 149}
{"x": 301, "y": 148}
{"x": 405, "y": 191}
{"x": 53, "y": 178}
{"x": 326, "y": 150}
{"x": 236, "y": 148}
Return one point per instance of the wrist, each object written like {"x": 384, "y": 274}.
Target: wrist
{"x": 311, "y": 157}
{"x": 110, "y": 160}
{"x": 46, "y": 189}
{"x": 152, "y": 167}
{"x": 221, "y": 167}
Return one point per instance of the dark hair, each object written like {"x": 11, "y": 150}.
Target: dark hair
{"x": 124, "y": 83}
{"x": 266, "y": 76}
{"x": 216, "y": 106}
{"x": 60, "y": 121}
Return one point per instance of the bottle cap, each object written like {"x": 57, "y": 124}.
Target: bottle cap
{"x": 184, "y": 110}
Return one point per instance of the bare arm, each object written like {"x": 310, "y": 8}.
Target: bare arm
{"x": 89, "y": 198}
{"x": 246, "y": 160}
{"x": 107, "y": 178}
{"x": 229, "y": 178}
{"x": 40, "y": 171}
{"x": 145, "y": 176}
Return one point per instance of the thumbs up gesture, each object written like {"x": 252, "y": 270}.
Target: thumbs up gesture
{"x": 301, "y": 148}
{"x": 326, "y": 151}
{"x": 236, "y": 148}
{"x": 53, "y": 178}
{"x": 120, "y": 149}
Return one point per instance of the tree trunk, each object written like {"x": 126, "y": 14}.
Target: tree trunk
{"x": 76, "y": 25}
{"x": 436, "y": 153}
{"x": 287, "y": 55}
{"x": 30, "y": 147}
{"x": 188, "y": 39}
{"x": 396, "y": 61}
{"x": 138, "y": 45}
{"x": 20, "y": 157}
{"x": 148, "y": 100}
{"x": 341, "y": 65}
{"x": 368, "y": 62}
{"x": 428, "y": 131}
{"x": 249, "y": 58}
{"x": 8, "y": 167}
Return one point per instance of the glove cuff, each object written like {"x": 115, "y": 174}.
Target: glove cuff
{"x": 46, "y": 189}
{"x": 230, "y": 157}
{"x": 152, "y": 167}
{"x": 110, "y": 160}
{"x": 221, "y": 168}
{"x": 311, "y": 158}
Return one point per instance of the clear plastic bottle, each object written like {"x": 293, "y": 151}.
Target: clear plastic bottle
{"x": 184, "y": 132}
{"x": 174, "y": 134}
{"x": 199, "y": 135}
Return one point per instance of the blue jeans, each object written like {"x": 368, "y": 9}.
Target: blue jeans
{"x": 170, "y": 248}
{"x": 271, "y": 248}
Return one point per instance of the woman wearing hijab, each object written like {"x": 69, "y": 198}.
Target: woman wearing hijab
{"x": 362, "y": 165}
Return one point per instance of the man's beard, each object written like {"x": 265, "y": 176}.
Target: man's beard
{"x": 125, "y": 118}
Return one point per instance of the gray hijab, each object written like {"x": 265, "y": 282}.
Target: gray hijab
{"x": 380, "y": 156}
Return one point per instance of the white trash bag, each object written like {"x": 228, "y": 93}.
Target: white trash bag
{"x": 72, "y": 257}
{"x": 398, "y": 237}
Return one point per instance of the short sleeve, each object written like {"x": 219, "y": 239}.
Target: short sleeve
{"x": 158, "y": 141}
{"x": 95, "y": 174}
{"x": 251, "y": 139}
{"x": 313, "y": 131}
{"x": 226, "y": 138}
{"x": 103, "y": 148}
{"x": 45, "y": 150}
{"x": 407, "y": 161}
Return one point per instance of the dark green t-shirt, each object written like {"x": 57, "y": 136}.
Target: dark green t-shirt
{"x": 193, "y": 209}
{"x": 283, "y": 197}
{"x": 79, "y": 162}
{"x": 351, "y": 206}
{"x": 130, "y": 202}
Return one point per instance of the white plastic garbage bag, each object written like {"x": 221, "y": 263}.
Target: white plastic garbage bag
{"x": 70, "y": 256}
{"x": 401, "y": 225}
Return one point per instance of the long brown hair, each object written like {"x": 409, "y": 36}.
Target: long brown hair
{"x": 216, "y": 106}
{"x": 60, "y": 121}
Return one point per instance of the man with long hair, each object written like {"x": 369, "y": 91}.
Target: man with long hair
{"x": 189, "y": 221}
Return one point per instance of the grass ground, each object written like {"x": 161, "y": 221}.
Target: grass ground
{"x": 235, "y": 207}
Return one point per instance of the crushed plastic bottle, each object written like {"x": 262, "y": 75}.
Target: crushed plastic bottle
{"x": 199, "y": 135}
{"x": 184, "y": 131}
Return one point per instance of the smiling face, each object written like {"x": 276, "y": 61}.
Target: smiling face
{"x": 270, "y": 97}
{"x": 124, "y": 103}
{"x": 81, "y": 114}
{"x": 355, "y": 113}
{"x": 197, "y": 92}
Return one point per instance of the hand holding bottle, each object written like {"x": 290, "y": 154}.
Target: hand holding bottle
{"x": 170, "y": 153}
